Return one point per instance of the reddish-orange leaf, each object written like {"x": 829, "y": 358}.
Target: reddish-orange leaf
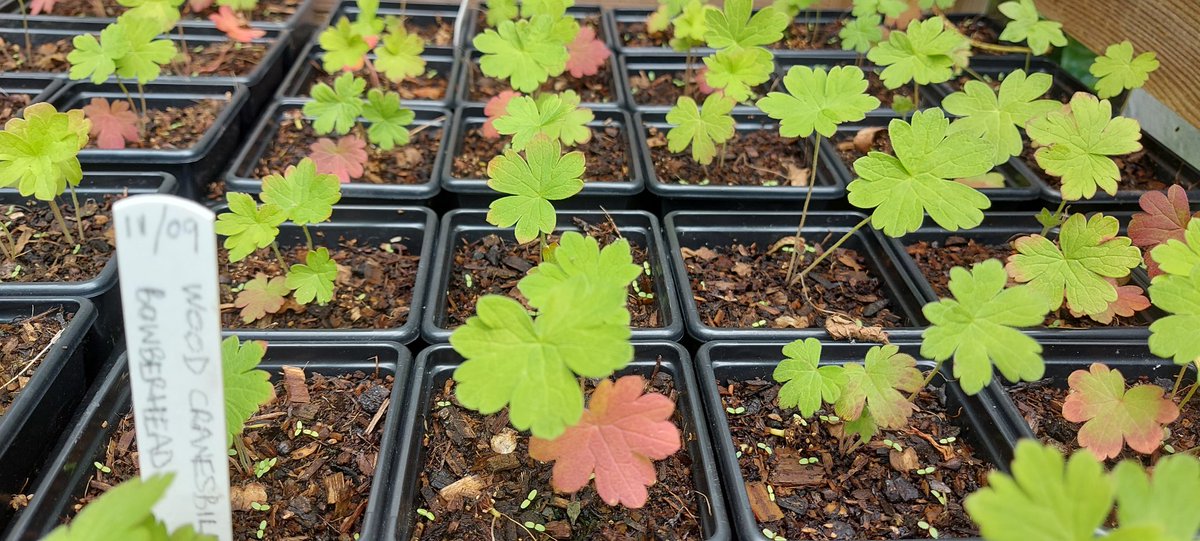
{"x": 1111, "y": 413}
{"x": 619, "y": 434}
{"x": 234, "y": 26}
{"x": 112, "y": 124}
{"x": 702, "y": 81}
{"x": 587, "y": 54}
{"x": 41, "y": 6}
{"x": 1165, "y": 216}
{"x": 199, "y": 5}
{"x": 261, "y": 296}
{"x": 496, "y": 108}
{"x": 345, "y": 158}
{"x": 1130, "y": 300}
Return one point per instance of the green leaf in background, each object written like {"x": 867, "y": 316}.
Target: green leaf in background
{"x": 307, "y": 197}
{"x": 819, "y": 100}
{"x": 1118, "y": 70}
{"x": 924, "y": 52}
{"x": 543, "y": 175}
{"x": 1026, "y": 25}
{"x": 699, "y": 128}
{"x": 247, "y": 226}
{"x": 997, "y": 116}
{"x": 737, "y": 71}
{"x": 336, "y": 109}
{"x": 246, "y": 387}
{"x": 389, "y": 120}
{"x": 1077, "y": 142}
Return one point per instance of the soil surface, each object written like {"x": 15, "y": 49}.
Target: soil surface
{"x": 496, "y": 263}
{"x": 10, "y": 104}
{"x": 409, "y": 164}
{"x": 458, "y": 444}
{"x": 373, "y": 289}
{"x": 265, "y": 10}
{"x": 432, "y": 85}
{"x": 318, "y": 487}
{"x": 440, "y": 33}
{"x": 757, "y": 158}
{"x": 219, "y": 59}
{"x": 606, "y": 154}
{"x": 596, "y": 88}
{"x": 45, "y": 254}
{"x": 24, "y": 344}
{"x": 1040, "y": 404}
{"x": 1138, "y": 172}
{"x": 174, "y": 127}
{"x": 744, "y": 286}
{"x": 935, "y": 259}
{"x": 872, "y": 492}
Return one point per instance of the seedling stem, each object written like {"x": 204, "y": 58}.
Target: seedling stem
{"x": 804, "y": 212}
{"x": 835, "y": 246}
{"x": 58, "y": 217}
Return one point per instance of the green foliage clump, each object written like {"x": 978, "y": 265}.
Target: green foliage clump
{"x": 861, "y": 33}
{"x": 736, "y": 71}
{"x": 1077, "y": 142}
{"x": 525, "y": 52}
{"x": 700, "y": 128}
{"x": 556, "y": 116}
{"x": 543, "y": 175}
{"x": 998, "y": 116}
{"x": 925, "y": 53}
{"x": 1177, "y": 292}
{"x": 1026, "y": 25}
{"x": 348, "y": 45}
{"x": 819, "y": 100}
{"x": 337, "y": 110}
{"x": 127, "y": 48}
{"x": 39, "y": 154}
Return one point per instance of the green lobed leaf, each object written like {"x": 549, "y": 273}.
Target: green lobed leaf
{"x": 978, "y": 327}
{"x": 556, "y": 116}
{"x": 691, "y": 25}
{"x": 1088, "y": 251}
{"x": 737, "y": 71}
{"x": 336, "y": 109}
{"x": 548, "y": 8}
{"x": 389, "y": 120}
{"x": 577, "y": 255}
{"x": 260, "y": 296}
{"x": 861, "y": 33}
{"x": 530, "y": 365}
{"x": 499, "y": 11}
{"x": 1174, "y": 336}
{"x": 163, "y": 14}
{"x": 699, "y": 128}
{"x": 1045, "y": 498}
{"x": 1166, "y": 502}
{"x": 996, "y": 116}
{"x": 806, "y": 385}
{"x": 314, "y": 278}
{"x": 39, "y": 154}
{"x": 888, "y": 8}
{"x": 1077, "y": 142}
{"x": 819, "y": 100}
{"x": 1179, "y": 257}
{"x": 367, "y": 22}
{"x": 398, "y": 54}
{"x": 345, "y": 47}
{"x": 543, "y": 175}
{"x": 877, "y": 386}
{"x": 125, "y": 513}
{"x": 246, "y": 387}
{"x": 247, "y": 226}
{"x": 305, "y": 196}
{"x": 917, "y": 180}
{"x": 144, "y": 55}
{"x": 1026, "y": 25}
{"x": 1119, "y": 71}
{"x": 924, "y": 52}
{"x": 735, "y": 26}
{"x": 96, "y": 59}
{"x": 523, "y": 52}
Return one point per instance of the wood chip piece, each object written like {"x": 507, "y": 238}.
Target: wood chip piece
{"x": 467, "y": 488}
{"x": 790, "y": 473}
{"x": 841, "y": 327}
{"x": 240, "y": 497}
{"x": 764, "y": 509}
{"x": 295, "y": 384}
{"x": 335, "y": 485}
{"x": 865, "y": 138}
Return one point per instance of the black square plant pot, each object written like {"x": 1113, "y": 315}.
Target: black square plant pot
{"x": 1002, "y": 228}
{"x": 260, "y": 82}
{"x": 469, "y": 71}
{"x": 696, "y": 229}
{"x": 308, "y": 70}
{"x": 240, "y": 177}
{"x": 467, "y": 225}
{"x": 29, "y": 89}
{"x": 193, "y": 167}
{"x": 828, "y": 188}
{"x": 1132, "y": 359}
{"x": 425, "y": 18}
{"x": 42, "y": 410}
{"x": 102, "y": 290}
{"x": 435, "y": 366}
{"x": 65, "y": 475}
{"x": 620, "y": 194}
{"x": 980, "y": 418}
{"x": 295, "y": 26}
{"x": 368, "y": 225}
{"x": 1019, "y": 192}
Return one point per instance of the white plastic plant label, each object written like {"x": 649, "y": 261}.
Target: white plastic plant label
{"x": 167, "y": 261}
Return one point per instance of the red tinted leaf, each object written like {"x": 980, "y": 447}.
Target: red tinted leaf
{"x": 496, "y": 108}
{"x": 41, "y": 6}
{"x": 587, "y": 53}
{"x": 619, "y": 434}
{"x": 112, "y": 124}
{"x": 234, "y": 26}
{"x": 1111, "y": 414}
{"x": 199, "y": 5}
{"x": 702, "y": 81}
{"x": 1165, "y": 217}
{"x": 1130, "y": 300}
{"x": 345, "y": 158}
{"x": 261, "y": 296}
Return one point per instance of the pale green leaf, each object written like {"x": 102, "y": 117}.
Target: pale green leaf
{"x": 543, "y": 175}
{"x": 819, "y": 100}
{"x": 735, "y": 26}
{"x": 880, "y": 386}
{"x": 314, "y": 278}
{"x": 806, "y": 385}
{"x": 306, "y": 196}
{"x": 388, "y": 119}
{"x": 861, "y": 33}
{"x": 523, "y": 52}
{"x": 39, "y": 153}
{"x": 737, "y": 71}
{"x": 1026, "y": 25}
{"x": 336, "y": 109}
{"x": 1077, "y": 142}
{"x": 577, "y": 255}
{"x": 924, "y": 53}
{"x": 557, "y": 116}
{"x": 247, "y": 226}
{"x": 997, "y": 116}
{"x": 246, "y": 387}
{"x": 702, "y": 129}
{"x": 1119, "y": 71}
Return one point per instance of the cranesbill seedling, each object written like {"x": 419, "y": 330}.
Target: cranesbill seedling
{"x": 555, "y": 116}
{"x": 246, "y": 387}
{"x": 1077, "y": 143}
{"x": 701, "y": 128}
{"x": 545, "y": 43}
{"x": 861, "y": 33}
{"x": 532, "y": 181}
{"x": 1028, "y": 26}
{"x": 1118, "y": 71}
{"x": 337, "y": 110}
{"x": 888, "y": 8}
{"x": 998, "y": 116}
{"x": 926, "y": 52}
{"x": 1112, "y": 414}
{"x": 1177, "y": 292}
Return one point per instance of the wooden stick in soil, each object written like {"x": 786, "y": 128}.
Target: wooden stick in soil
{"x": 804, "y": 212}
{"x": 831, "y": 249}
{"x": 58, "y": 216}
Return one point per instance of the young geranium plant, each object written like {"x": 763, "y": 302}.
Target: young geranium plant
{"x": 337, "y": 110}
{"x": 1118, "y": 71}
{"x": 532, "y": 181}
{"x": 543, "y": 44}
{"x": 1077, "y": 142}
{"x": 349, "y": 46}
{"x": 303, "y": 196}
{"x": 128, "y": 49}
{"x": 926, "y": 52}
{"x": 738, "y": 35}
{"x": 860, "y": 34}
{"x": 555, "y": 116}
{"x": 1113, "y": 415}
{"x": 1026, "y": 25}
{"x": 39, "y": 155}
{"x": 867, "y": 396}
{"x": 998, "y": 116}
{"x": 887, "y": 8}
{"x": 701, "y": 128}
{"x": 817, "y": 101}
{"x": 1177, "y": 291}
